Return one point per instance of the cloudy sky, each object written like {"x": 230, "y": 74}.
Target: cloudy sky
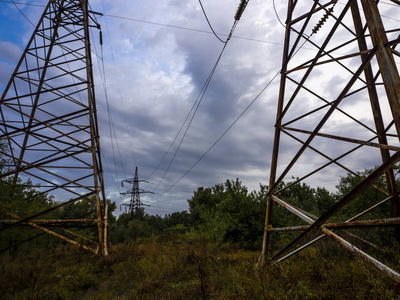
{"x": 157, "y": 56}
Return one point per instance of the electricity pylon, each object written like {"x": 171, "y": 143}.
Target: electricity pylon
{"x": 48, "y": 121}
{"x": 134, "y": 207}
{"x": 338, "y": 111}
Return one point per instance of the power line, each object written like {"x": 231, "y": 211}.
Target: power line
{"x": 167, "y": 25}
{"x": 209, "y": 24}
{"x": 22, "y": 12}
{"x": 185, "y": 191}
{"x": 276, "y": 14}
{"x": 198, "y": 100}
{"x": 200, "y": 97}
{"x": 193, "y": 29}
{"x": 117, "y": 78}
{"x": 29, "y": 4}
{"x": 113, "y": 135}
{"x": 222, "y": 135}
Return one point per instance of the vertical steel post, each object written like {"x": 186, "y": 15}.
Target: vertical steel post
{"x": 391, "y": 80}
{"x": 374, "y": 99}
{"x": 275, "y": 151}
{"x": 93, "y": 127}
{"x": 106, "y": 231}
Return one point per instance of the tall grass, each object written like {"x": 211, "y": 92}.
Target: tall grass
{"x": 173, "y": 267}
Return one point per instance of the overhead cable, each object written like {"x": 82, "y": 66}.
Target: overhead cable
{"x": 198, "y": 100}
{"x": 22, "y": 12}
{"x": 209, "y": 24}
{"x": 222, "y": 135}
{"x": 276, "y": 14}
{"x": 117, "y": 80}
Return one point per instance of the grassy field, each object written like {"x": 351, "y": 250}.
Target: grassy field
{"x": 174, "y": 267}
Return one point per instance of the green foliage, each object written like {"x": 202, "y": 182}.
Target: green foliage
{"x": 130, "y": 227}
{"x": 22, "y": 201}
{"x": 176, "y": 269}
{"x": 383, "y": 237}
{"x": 197, "y": 253}
{"x": 366, "y": 199}
{"x": 228, "y": 213}
{"x": 178, "y": 218}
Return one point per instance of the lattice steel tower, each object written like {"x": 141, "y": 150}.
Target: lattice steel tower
{"x": 338, "y": 111}
{"x": 49, "y": 123}
{"x": 134, "y": 207}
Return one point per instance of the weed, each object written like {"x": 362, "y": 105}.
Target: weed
{"x": 176, "y": 267}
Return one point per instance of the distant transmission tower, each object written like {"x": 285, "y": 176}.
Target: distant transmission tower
{"x": 134, "y": 207}
{"x": 48, "y": 122}
{"x": 338, "y": 111}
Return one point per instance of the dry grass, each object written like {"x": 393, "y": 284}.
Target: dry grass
{"x": 171, "y": 267}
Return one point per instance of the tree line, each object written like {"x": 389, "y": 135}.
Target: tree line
{"x": 229, "y": 213}
{"x": 224, "y": 213}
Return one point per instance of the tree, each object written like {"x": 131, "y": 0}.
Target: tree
{"x": 86, "y": 208}
{"x": 228, "y": 213}
{"x": 178, "y": 218}
{"x": 372, "y": 195}
{"x": 204, "y": 200}
{"x": 21, "y": 200}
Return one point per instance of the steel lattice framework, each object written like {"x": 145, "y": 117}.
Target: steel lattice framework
{"x": 48, "y": 120}
{"x": 338, "y": 111}
{"x": 135, "y": 205}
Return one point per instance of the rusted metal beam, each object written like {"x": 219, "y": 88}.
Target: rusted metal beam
{"x": 44, "y": 212}
{"x": 363, "y": 241}
{"x": 329, "y": 52}
{"x": 343, "y": 225}
{"x": 376, "y": 263}
{"x": 382, "y": 267}
{"x": 293, "y": 210}
{"x": 106, "y": 231}
{"x": 369, "y": 209}
{"x": 363, "y": 224}
{"x": 324, "y": 106}
{"x": 55, "y": 234}
{"x": 275, "y": 150}
{"x": 79, "y": 236}
{"x": 301, "y": 33}
{"x": 289, "y": 228}
{"x": 304, "y": 227}
{"x": 301, "y": 248}
{"x": 312, "y": 11}
{"x": 386, "y": 62}
{"x": 340, "y": 204}
{"x": 311, "y": 67}
{"x": 384, "y": 146}
{"x": 377, "y": 114}
{"x": 44, "y": 221}
{"x": 335, "y": 59}
{"x": 331, "y": 161}
{"x": 93, "y": 126}
{"x": 323, "y": 120}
